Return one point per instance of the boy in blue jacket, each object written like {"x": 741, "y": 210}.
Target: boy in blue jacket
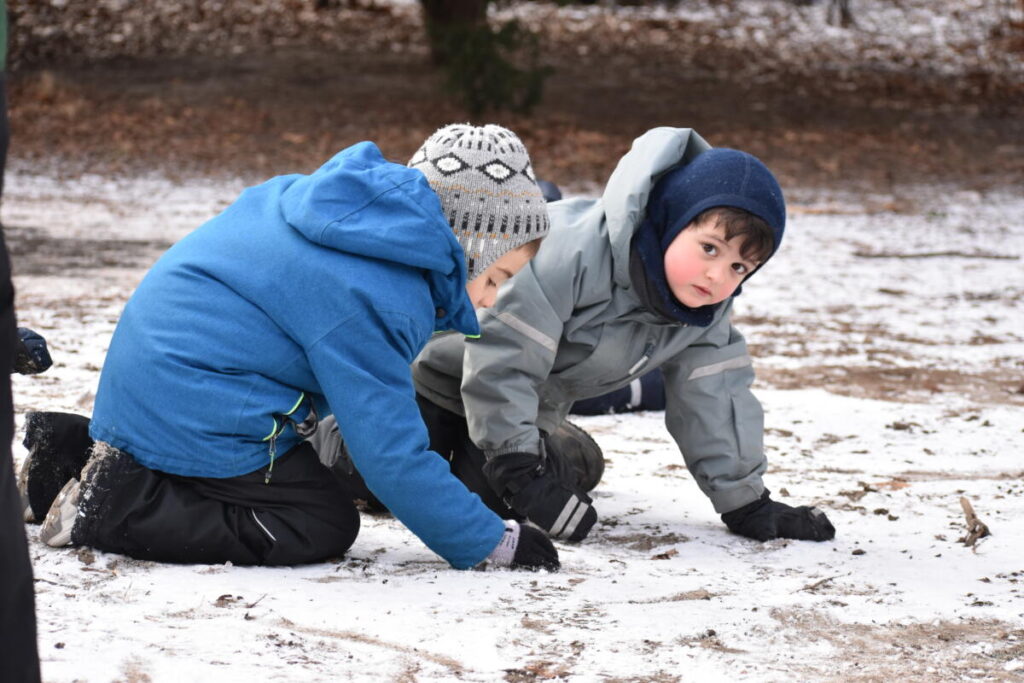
{"x": 308, "y": 296}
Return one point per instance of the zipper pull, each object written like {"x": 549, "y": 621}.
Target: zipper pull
{"x": 643, "y": 359}
{"x": 273, "y": 454}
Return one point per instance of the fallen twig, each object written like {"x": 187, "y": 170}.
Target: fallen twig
{"x": 936, "y": 254}
{"x": 58, "y": 585}
{"x": 253, "y": 604}
{"x": 976, "y": 529}
{"x": 452, "y": 664}
{"x": 698, "y": 594}
{"x": 818, "y": 584}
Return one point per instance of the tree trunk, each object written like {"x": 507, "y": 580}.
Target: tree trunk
{"x": 445, "y": 18}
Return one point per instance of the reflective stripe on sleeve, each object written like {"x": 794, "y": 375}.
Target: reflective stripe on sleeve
{"x": 722, "y": 366}
{"x": 528, "y": 331}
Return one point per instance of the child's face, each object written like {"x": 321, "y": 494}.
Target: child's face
{"x": 703, "y": 268}
{"x": 483, "y": 289}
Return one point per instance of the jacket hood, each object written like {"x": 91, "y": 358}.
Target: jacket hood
{"x": 625, "y": 196}
{"x": 716, "y": 178}
{"x": 359, "y": 203}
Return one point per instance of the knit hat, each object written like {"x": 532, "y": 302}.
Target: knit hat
{"x": 717, "y": 177}
{"x": 488, "y": 192}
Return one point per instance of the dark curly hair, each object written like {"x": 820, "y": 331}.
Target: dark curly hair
{"x": 757, "y": 238}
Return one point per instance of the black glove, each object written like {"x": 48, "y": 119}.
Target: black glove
{"x": 534, "y": 551}
{"x": 31, "y": 356}
{"x": 523, "y": 547}
{"x": 541, "y": 488}
{"x": 765, "y": 519}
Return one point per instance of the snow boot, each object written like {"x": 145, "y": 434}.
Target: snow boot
{"x": 579, "y": 450}
{"x": 58, "y": 447}
{"x": 80, "y": 502}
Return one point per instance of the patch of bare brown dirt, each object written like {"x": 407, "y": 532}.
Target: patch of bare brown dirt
{"x": 288, "y": 108}
{"x": 913, "y": 385}
{"x": 971, "y": 649}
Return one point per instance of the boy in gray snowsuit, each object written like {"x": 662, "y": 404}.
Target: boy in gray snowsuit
{"x": 641, "y": 278}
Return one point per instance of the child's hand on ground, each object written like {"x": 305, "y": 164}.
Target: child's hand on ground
{"x": 540, "y": 490}
{"x": 765, "y": 519}
{"x": 524, "y": 547}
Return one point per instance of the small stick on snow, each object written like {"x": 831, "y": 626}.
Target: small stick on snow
{"x": 250, "y": 606}
{"x": 936, "y": 254}
{"x": 818, "y": 584}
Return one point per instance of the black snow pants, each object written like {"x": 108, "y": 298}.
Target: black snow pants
{"x": 304, "y": 514}
{"x": 449, "y": 436}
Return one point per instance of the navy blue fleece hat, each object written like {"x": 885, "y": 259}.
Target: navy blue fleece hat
{"x": 718, "y": 177}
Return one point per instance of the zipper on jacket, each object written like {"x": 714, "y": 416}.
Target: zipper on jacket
{"x": 643, "y": 359}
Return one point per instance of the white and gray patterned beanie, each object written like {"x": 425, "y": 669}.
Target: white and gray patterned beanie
{"x": 487, "y": 188}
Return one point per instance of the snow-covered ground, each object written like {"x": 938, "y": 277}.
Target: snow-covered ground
{"x": 889, "y": 333}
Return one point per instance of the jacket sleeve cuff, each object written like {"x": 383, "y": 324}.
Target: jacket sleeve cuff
{"x": 532, "y": 445}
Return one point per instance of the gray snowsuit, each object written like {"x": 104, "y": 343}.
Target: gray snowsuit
{"x": 571, "y": 325}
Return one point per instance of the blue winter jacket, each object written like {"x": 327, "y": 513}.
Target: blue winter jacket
{"x": 308, "y": 289}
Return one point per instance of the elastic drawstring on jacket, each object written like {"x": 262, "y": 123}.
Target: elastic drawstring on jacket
{"x": 304, "y": 429}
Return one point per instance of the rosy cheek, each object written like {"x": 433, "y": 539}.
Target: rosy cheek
{"x": 679, "y": 269}
{"x": 729, "y": 291}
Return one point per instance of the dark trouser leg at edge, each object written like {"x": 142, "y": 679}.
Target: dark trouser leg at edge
{"x": 17, "y": 597}
{"x": 303, "y": 515}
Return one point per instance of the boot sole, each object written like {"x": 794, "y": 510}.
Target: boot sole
{"x": 56, "y": 530}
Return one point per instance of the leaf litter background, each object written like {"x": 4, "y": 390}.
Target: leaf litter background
{"x": 888, "y": 335}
